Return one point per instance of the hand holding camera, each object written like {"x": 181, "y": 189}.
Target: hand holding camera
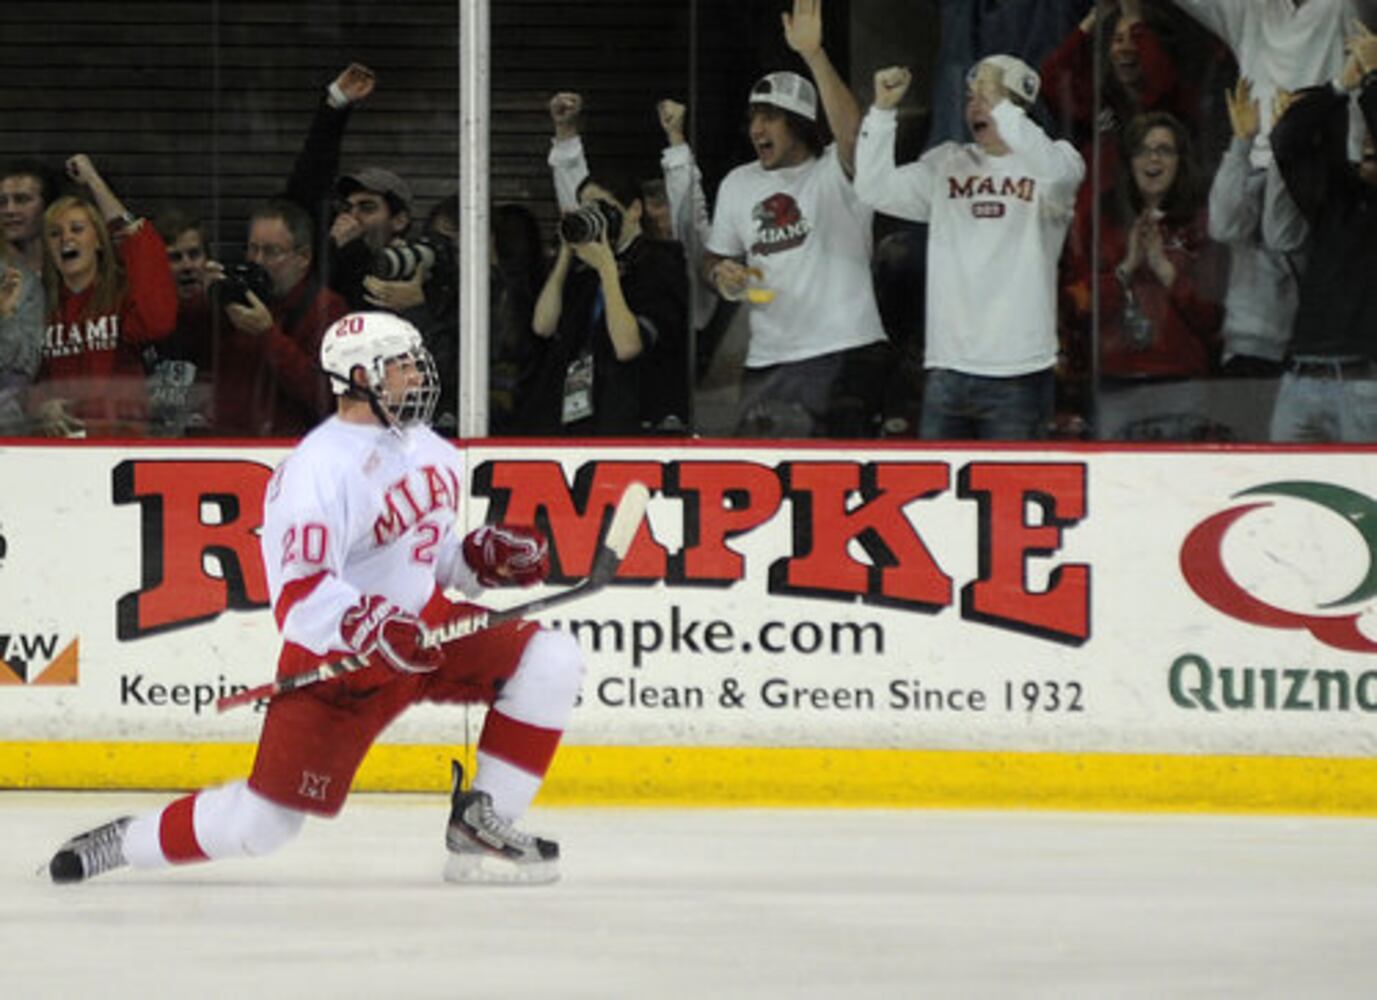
{"x": 410, "y": 273}
{"x": 597, "y": 254}
{"x": 402, "y": 260}
{"x": 253, "y": 317}
{"x": 211, "y": 272}
{"x": 595, "y": 221}
{"x": 395, "y": 296}
{"x": 237, "y": 284}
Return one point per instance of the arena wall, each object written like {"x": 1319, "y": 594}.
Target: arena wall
{"x": 1084, "y": 627}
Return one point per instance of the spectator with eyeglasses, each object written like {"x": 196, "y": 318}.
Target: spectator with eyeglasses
{"x": 1160, "y": 280}
{"x": 266, "y": 380}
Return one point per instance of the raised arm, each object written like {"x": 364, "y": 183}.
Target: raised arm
{"x": 568, "y": 164}
{"x": 550, "y": 303}
{"x": 84, "y": 172}
{"x": 1283, "y": 223}
{"x": 311, "y": 182}
{"x": 1236, "y": 195}
{"x": 904, "y": 192}
{"x": 803, "y": 33}
{"x": 688, "y": 205}
{"x": 1055, "y": 160}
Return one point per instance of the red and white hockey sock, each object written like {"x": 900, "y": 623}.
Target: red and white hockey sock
{"x": 231, "y": 821}
{"x": 524, "y": 726}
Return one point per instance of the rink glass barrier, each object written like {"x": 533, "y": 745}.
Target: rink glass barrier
{"x": 207, "y": 113}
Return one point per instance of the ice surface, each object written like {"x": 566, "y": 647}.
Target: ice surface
{"x": 711, "y": 904}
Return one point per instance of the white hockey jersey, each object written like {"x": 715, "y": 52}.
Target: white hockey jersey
{"x": 359, "y": 510}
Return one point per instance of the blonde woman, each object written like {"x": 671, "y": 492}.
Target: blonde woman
{"x": 109, "y": 292}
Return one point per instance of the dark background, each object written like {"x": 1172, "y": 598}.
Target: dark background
{"x": 204, "y": 105}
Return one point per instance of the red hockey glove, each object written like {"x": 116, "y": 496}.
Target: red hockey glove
{"x": 376, "y": 625}
{"x": 501, "y": 554}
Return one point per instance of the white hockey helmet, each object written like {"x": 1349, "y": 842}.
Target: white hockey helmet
{"x": 369, "y": 340}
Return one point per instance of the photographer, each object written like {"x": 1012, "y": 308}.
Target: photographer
{"x": 419, "y": 280}
{"x": 614, "y": 306}
{"x": 266, "y": 380}
{"x": 368, "y": 235}
{"x": 358, "y": 214}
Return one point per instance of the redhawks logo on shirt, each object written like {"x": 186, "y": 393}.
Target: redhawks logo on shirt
{"x": 779, "y": 224}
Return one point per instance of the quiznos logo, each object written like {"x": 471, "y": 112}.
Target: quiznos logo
{"x": 1334, "y": 621}
{"x": 1293, "y": 555}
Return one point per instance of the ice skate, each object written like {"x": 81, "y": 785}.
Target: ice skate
{"x": 483, "y": 847}
{"x": 89, "y": 854}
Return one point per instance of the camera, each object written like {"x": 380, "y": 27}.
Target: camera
{"x": 401, "y": 261}
{"x": 588, "y": 223}
{"x": 239, "y": 280}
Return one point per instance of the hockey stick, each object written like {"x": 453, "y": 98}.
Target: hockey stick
{"x": 625, "y": 520}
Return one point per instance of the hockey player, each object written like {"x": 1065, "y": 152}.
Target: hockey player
{"x": 358, "y": 544}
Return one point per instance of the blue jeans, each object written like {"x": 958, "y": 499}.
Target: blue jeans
{"x": 961, "y": 407}
{"x": 1317, "y": 410}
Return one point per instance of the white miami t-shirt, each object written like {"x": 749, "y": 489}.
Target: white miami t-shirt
{"x": 809, "y": 235}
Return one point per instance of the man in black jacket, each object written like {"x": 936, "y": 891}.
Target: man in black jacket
{"x": 1329, "y": 390}
{"x": 357, "y": 213}
{"x": 614, "y": 311}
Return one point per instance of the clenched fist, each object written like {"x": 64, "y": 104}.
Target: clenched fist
{"x": 891, "y": 84}
{"x": 565, "y": 108}
{"x": 501, "y": 554}
{"x": 672, "y": 120}
{"x": 356, "y": 82}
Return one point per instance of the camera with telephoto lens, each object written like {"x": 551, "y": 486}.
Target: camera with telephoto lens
{"x": 401, "y": 261}
{"x": 239, "y": 280}
{"x": 588, "y": 223}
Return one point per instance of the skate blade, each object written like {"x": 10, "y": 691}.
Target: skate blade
{"x": 484, "y": 869}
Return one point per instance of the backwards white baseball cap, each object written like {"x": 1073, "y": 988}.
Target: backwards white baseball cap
{"x": 788, "y": 91}
{"x": 1019, "y": 77}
